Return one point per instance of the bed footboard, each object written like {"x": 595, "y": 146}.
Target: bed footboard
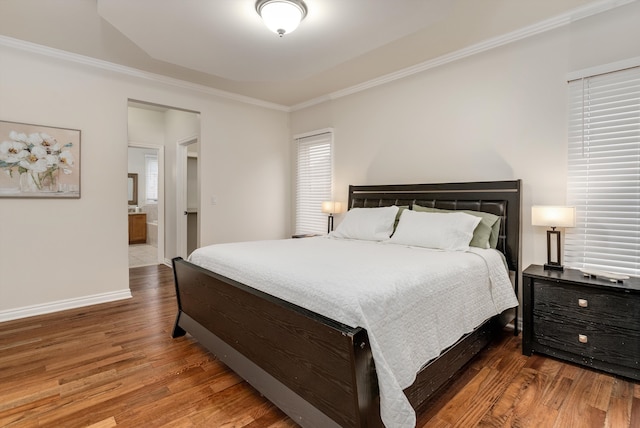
{"x": 320, "y": 372}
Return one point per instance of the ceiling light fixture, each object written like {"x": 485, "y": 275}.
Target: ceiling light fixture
{"x": 281, "y": 16}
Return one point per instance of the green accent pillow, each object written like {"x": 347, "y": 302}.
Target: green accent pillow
{"x": 495, "y": 234}
{"x": 400, "y": 209}
{"x": 482, "y": 235}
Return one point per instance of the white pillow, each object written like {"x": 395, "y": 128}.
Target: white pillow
{"x": 444, "y": 231}
{"x": 369, "y": 224}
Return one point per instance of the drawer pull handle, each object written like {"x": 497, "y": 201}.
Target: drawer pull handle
{"x": 583, "y": 303}
{"x": 582, "y": 338}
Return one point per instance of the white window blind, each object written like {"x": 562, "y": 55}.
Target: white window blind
{"x": 313, "y": 182}
{"x": 151, "y": 177}
{"x": 604, "y": 172}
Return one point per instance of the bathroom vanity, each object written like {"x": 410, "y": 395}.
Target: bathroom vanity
{"x": 137, "y": 228}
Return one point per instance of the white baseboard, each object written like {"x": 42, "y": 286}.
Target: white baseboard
{"x": 62, "y": 305}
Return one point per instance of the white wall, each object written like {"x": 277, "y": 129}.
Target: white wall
{"x": 70, "y": 251}
{"x": 145, "y": 126}
{"x": 247, "y": 168}
{"x": 499, "y": 115}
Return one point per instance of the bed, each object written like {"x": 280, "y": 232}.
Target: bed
{"x": 319, "y": 371}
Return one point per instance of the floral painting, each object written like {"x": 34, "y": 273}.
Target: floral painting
{"x": 39, "y": 161}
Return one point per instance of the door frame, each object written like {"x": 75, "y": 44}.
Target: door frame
{"x": 161, "y": 195}
{"x": 181, "y": 194}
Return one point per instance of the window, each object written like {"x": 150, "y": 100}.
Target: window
{"x": 314, "y": 181}
{"x": 151, "y": 177}
{"x": 604, "y": 172}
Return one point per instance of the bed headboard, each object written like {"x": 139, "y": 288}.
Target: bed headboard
{"x": 501, "y": 198}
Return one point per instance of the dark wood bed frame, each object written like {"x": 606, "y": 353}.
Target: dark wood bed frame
{"x": 318, "y": 371}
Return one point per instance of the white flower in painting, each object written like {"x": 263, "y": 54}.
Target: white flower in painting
{"x": 39, "y": 152}
{"x": 66, "y": 161}
{"x": 35, "y": 160}
{"x": 34, "y": 139}
{"x": 18, "y": 137}
{"x": 38, "y": 165}
{"x": 52, "y": 160}
{"x": 12, "y": 151}
{"x": 47, "y": 140}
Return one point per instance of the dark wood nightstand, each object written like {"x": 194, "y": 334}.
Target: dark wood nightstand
{"x": 588, "y": 321}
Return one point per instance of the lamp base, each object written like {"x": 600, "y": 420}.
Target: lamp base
{"x": 330, "y": 223}
{"x": 548, "y": 266}
{"x": 553, "y": 263}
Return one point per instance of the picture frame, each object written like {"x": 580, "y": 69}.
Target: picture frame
{"x": 39, "y": 161}
{"x": 132, "y": 188}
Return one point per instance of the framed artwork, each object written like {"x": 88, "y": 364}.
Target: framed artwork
{"x": 39, "y": 161}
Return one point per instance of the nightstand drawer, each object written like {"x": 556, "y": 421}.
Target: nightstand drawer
{"x": 594, "y": 341}
{"x": 587, "y": 304}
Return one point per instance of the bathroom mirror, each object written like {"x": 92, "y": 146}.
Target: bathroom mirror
{"x": 132, "y": 188}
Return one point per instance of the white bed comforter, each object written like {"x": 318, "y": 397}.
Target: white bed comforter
{"x": 413, "y": 302}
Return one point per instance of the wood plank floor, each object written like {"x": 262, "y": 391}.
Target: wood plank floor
{"x": 116, "y": 365}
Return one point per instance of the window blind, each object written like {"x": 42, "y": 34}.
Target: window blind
{"x": 604, "y": 172}
{"x": 313, "y": 182}
{"x": 151, "y": 177}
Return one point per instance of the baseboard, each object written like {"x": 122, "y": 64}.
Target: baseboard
{"x": 62, "y": 305}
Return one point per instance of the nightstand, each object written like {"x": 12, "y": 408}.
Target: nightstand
{"x": 588, "y": 321}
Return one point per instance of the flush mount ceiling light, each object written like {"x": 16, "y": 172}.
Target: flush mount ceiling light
{"x": 281, "y": 16}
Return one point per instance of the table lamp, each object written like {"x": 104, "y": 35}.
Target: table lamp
{"x": 553, "y": 216}
{"x": 331, "y": 208}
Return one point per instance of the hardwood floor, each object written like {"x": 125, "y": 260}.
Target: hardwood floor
{"x": 116, "y": 365}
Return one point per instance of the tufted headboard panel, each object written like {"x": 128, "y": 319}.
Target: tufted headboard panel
{"x": 501, "y": 198}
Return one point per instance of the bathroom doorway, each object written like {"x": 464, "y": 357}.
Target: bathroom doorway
{"x": 145, "y": 205}
{"x": 158, "y": 126}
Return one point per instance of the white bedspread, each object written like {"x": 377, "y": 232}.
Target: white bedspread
{"x": 413, "y": 302}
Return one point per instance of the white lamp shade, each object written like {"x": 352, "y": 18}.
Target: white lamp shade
{"x": 281, "y": 16}
{"x": 331, "y": 207}
{"x": 553, "y": 216}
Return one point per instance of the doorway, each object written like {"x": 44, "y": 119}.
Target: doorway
{"x": 187, "y": 195}
{"x": 146, "y": 204}
{"x": 161, "y": 127}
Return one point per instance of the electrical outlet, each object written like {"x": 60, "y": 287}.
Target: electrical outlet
{"x": 214, "y": 200}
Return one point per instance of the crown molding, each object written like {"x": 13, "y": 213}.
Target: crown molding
{"x": 132, "y": 72}
{"x": 532, "y": 30}
{"x": 514, "y": 36}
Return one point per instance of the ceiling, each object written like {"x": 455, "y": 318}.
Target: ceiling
{"x": 223, "y": 44}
